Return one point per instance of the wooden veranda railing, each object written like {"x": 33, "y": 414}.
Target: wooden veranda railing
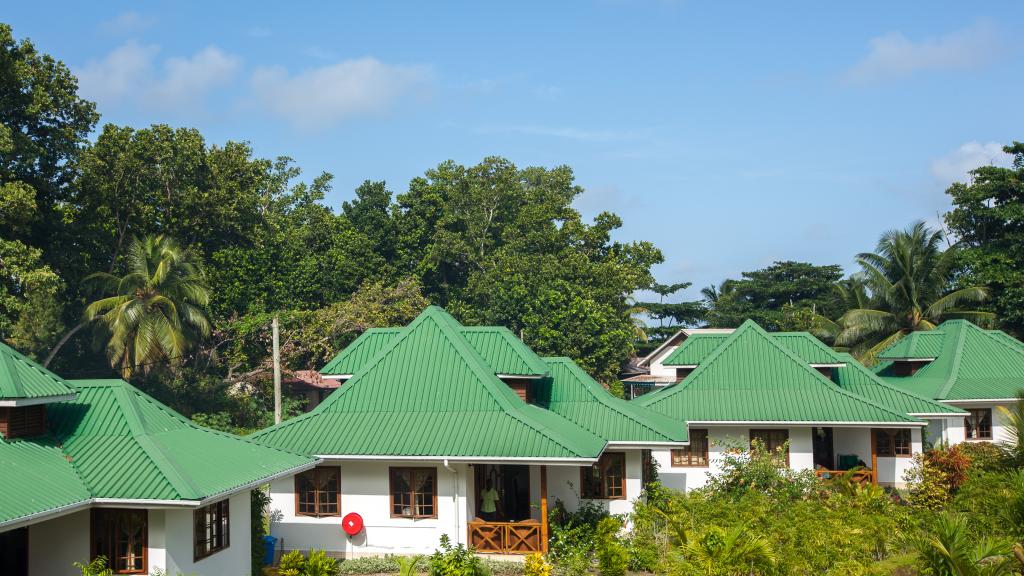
{"x": 506, "y": 537}
{"x": 861, "y": 476}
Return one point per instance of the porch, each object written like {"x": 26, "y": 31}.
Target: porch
{"x": 864, "y": 455}
{"x": 508, "y": 525}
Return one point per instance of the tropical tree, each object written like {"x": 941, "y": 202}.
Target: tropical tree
{"x": 1013, "y": 424}
{"x": 950, "y": 551}
{"x": 156, "y": 311}
{"x": 910, "y": 279}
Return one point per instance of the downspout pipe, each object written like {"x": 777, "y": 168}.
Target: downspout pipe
{"x": 455, "y": 500}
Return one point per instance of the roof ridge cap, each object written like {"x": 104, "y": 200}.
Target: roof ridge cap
{"x": 954, "y": 368}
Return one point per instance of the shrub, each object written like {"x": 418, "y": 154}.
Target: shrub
{"x": 407, "y": 564}
{"x": 370, "y": 565}
{"x": 319, "y": 564}
{"x": 954, "y": 463}
{"x": 612, "y": 557}
{"x": 536, "y": 565}
{"x": 292, "y": 564}
{"x": 757, "y": 468}
{"x": 458, "y": 560}
{"x": 984, "y": 456}
{"x": 927, "y": 485}
{"x": 259, "y": 502}
{"x": 573, "y": 537}
{"x": 98, "y": 567}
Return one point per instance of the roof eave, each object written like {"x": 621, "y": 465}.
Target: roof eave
{"x": 21, "y": 402}
{"x": 549, "y": 461}
{"x": 824, "y": 423}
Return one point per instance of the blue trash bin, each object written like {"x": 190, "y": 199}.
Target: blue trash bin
{"x": 269, "y": 543}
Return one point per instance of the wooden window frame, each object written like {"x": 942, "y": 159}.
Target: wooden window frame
{"x": 762, "y": 432}
{"x": 685, "y": 458}
{"x": 316, "y": 493}
{"x": 398, "y": 470}
{"x": 891, "y": 445}
{"x": 973, "y": 421}
{"x": 589, "y": 491}
{"x": 95, "y": 521}
{"x": 221, "y": 513}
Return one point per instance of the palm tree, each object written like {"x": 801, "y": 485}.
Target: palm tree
{"x": 950, "y": 551}
{"x": 1013, "y": 423}
{"x": 156, "y": 311}
{"x": 909, "y": 278}
{"x": 733, "y": 552}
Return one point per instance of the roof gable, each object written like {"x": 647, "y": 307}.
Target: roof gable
{"x": 124, "y": 444}
{"x": 360, "y": 351}
{"x": 24, "y": 381}
{"x": 570, "y": 392}
{"x": 859, "y": 379}
{"x": 438, "y": 397}
{"x": 694, "y": 349}
{"x": 970, "y": 364}
{"x": 752, "y": 377}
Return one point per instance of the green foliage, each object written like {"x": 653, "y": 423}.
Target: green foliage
{"x": 719, "y": 552}
{"x": 911, "y": 281}
{"x": 927, "y": 484}
{"x": 949, "y": 550}
{"x": 1013, "y": 418}
{"x": 536, "y": 565}
{"x": 407, "y": 564}
{"x": 768, "y": 296}
{"x": 758, "y": 468}
{"x": 984, "y": 456}
{"x": 98, "y": 567}
{"x": 572, "y": 541}
{"x": 458, "y": 560}
{"x": 612, "y": 556}
{"x": 259, "y": 508}
{"x": 987, "y": 218}
{"x": 292, "y": 564}
{"x": 156, "y": 311}
{"x": 388, "y": 564}
{"x": 319, "y": 564}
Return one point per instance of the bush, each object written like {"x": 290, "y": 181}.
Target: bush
{"x": 758, "y": 468}
{"x": 259, "y": 502}
{"x": 98, "y": 567}
{"x": 319, "y": 564}
{"x": 292, "y": 564}
{"x": 927, "y": 485}
{"x": 458, "y": 560}
{"x": 612, "y": 557}
{"x": 370, "y": 565}
{"x": 536, "y": 565}
{"x": 573, "y": 537}
{"x": 984, "y": 456}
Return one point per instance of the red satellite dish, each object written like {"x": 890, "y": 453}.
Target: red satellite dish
{"x": 352, "y": 523}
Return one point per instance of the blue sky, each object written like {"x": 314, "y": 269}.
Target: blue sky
{"x": 729, "y": 134}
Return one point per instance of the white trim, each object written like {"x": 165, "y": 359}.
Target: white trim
{"x": 680, "y": 365}
{"x": 523, "y": 376}
{"x": 834, "y": 365}
{"x": 45, "y": 515}
{"x": 908, "y": 359}
{"x": 255, "y": 483}
{"x": 805, "y": 423}
{"x": 931, "y": 415}
{"x": 980, "y": 401}
{"x": 466, "y": 459}
{"x": 643, "y": 445}
{"x": 142, "y": 503}
{"x": 687, "y": 332}
{"x": 19, "y": 402}
{"x": 335, "y": 376}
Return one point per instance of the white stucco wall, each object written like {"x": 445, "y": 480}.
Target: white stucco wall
{"x": 564, "y": 484}
{"x": 801, "y": 454}
{"x": 55, "y": 545}
{"x": 999, "y": 420}
{"x": 365, "y": 490}
{"x": 659, "y": 369}
{"x": 178, "y": 537}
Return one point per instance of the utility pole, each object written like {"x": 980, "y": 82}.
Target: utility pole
{"x": 277, "y": 371}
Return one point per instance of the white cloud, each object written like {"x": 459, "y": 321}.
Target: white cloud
{"x": 895, "y": 56}
{"x": 320, "y": 97}
{"x": 953, "y": 167}
{"x": 131, "y": 75}
{"x": 130, "y": 22}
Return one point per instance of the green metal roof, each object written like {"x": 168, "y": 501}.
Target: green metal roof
{"x": 22, "y": 380}
{"x": 924, "y": 344}
{"x": 808, "y": 347}
{"x": 37, "y": 479}
{"x": 570, "y": 392}
{"x": 752, "y": 377}
{"x": 970, "y": 363}
{"x": 125, "y": 444}
{"x": 694, "y": 349}
{"x": 429, "y": 393}
{"x": 360, "y": 352}
{"x": 859, "y": 379}
{"x": 502, "y": 351}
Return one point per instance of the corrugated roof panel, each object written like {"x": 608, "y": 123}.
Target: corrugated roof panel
{"x": 429, "y": 393}
{"x": 570, "y": 392}
{"x": 23, "y": 379}
{"x": 37, "y": 478}
{"x": 753, "y": 377}
{"x": 807, "y": 347}
{"x": 970, "y": 364}
{"x": 503, "y": 352}
{"x": 360, "y": 351}
{"x": 694, "y": 349}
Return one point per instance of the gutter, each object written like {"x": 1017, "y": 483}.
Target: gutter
{"x": 19, "y": 402}
{"x": 466, "y": 459}
{"x": 805, "y": 423}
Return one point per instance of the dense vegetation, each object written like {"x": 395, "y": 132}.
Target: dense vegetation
{"x": 155, "y": 255}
